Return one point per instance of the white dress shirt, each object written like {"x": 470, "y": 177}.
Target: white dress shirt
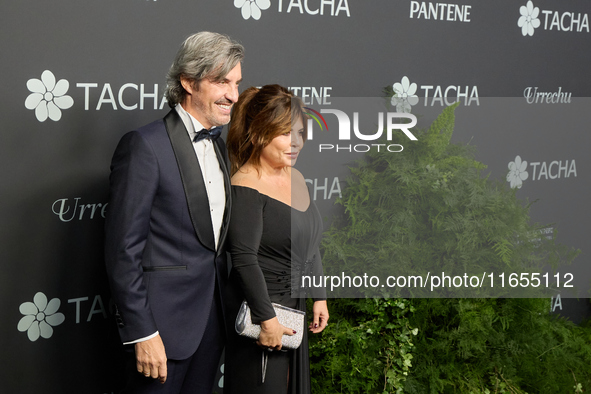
{"x": 213, "y": 175}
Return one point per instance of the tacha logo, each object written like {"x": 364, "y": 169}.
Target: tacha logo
{"x": 404, "y": 95}
{"x": 48, "y": 97}
{"x": 528, "y": 21}
{"x": 517, "y": 173}
{"x": 553, "y": 20}
{"x": 555, "y": 169}
{"x": 40, "y": 317}
{"x": 252, "y": 8}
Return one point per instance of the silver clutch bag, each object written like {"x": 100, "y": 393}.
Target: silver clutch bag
{"x": 290, "y": 318}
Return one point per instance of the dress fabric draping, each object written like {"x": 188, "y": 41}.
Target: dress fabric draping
{"x": 268, "y": 238}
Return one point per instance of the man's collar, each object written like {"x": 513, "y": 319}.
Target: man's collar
{"x": 192, "y": 124}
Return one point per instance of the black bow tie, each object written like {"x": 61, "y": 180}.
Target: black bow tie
{"x": 212, "y": 134}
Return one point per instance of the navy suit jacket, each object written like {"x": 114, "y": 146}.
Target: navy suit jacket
{"x": 159, "y": 246}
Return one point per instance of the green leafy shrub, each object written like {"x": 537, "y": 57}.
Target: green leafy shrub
{"x": 430, "y": 209}
{"x": 497, "y": 346}
{"x": 366, "y": 348}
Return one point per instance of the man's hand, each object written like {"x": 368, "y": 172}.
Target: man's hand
{"x": 151, "y": 358}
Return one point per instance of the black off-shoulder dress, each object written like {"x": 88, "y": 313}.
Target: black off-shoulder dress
{"x": 268, "y": 238}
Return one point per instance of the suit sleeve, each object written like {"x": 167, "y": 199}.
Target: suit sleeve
{"x": 133, "y": 185}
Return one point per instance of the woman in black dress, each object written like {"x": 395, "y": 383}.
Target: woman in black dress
{"x": 274, "y": 231}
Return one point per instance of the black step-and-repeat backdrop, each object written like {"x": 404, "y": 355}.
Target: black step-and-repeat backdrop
{"x": 77, "y": 75}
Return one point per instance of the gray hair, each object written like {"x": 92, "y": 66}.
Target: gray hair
{"x": 202, "y": 55}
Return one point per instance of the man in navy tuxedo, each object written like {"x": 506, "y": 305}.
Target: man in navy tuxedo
{"x": 169, "y": 208}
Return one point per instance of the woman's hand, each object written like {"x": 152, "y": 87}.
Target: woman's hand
{"x": 320, "y": 317}
{"x": 271, "y": 333}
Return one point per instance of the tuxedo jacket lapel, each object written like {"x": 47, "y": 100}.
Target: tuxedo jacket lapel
{"x": 220, "y": 151}
{"x": 192, "y": 178}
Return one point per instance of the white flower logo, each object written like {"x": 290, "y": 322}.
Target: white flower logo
{"x": 252, "y": 8}
{"x": 404, "y": 95}
{"x": 528, "y": 20}
{"x": 39, "y": 317}
{"x": 517, "y": 173}
{"x": 48, "y": 98}
{"x": 221, "y": 382}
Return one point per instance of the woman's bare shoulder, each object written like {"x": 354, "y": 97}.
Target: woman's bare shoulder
{"x": 297, "y": 179}
{"x": 296, "y": 175}
{"x": 246, "y": 176}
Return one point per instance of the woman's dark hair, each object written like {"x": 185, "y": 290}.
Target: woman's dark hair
{"x": 258, "y": 117}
